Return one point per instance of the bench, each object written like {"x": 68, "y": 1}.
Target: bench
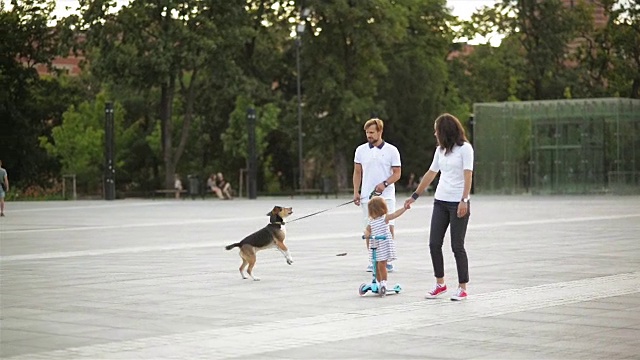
{"x": 320, "y": 192}
{"x": 316, "y": 192}
{"x": 347, "y": 191}
{"x": 169, "y": 191}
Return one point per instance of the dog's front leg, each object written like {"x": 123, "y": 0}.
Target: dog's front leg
{"x": 283, "y": 249}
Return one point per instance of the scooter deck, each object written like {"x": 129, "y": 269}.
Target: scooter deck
{"x": 394, "y": 290}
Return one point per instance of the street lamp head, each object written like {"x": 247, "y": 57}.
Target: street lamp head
{"x": 305, "y": 13}
{"x": 300, "y": 28}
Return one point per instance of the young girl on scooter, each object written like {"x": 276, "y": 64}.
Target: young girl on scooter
{"x": 379, "y": 226}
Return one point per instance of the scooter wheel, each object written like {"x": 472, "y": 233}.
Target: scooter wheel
{"x": 363, "y": 289}
{"x": 382, "y": 291}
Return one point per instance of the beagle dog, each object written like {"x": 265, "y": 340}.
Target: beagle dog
{"x": 272, "y": 235}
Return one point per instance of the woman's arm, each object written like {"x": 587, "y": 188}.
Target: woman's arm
{"x": 463, "y": 207}
{"x": 424, "y": 183}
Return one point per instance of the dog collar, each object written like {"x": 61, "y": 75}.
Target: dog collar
{"x": 278, "y": 223}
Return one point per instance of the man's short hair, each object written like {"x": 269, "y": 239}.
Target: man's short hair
{"x": 375, "y": 121}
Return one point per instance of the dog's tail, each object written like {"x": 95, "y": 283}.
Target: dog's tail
{"x": 229, "y": 247}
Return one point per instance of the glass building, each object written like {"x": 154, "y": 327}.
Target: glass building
{"x": 578, "y": 146}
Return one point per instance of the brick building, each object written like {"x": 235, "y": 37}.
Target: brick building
{"x": 69, "y": 65}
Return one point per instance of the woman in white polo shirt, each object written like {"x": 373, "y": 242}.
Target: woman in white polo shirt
{"x": 453, "y": 158}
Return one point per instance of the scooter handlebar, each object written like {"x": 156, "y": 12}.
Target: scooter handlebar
{"x": 377, "y": 237}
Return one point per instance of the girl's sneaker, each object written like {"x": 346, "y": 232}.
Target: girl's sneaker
{"x": 461, "y": 294}
{"x": 437, "y": 291}
{"x": 391, "y": 268}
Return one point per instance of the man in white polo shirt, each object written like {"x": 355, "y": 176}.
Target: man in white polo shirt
{"x": 376, "y": 167}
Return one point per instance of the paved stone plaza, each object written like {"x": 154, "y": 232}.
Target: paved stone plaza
{"x": 551, "y": 278}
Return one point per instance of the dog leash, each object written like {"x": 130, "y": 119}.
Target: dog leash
{"x": 321, "y": 211}
{"x": 373, "y": 193}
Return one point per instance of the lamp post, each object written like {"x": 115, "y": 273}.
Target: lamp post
{"x": 304, "y": 13}
{"x": 109, "y": 151}
{"x": 252, "y": 163}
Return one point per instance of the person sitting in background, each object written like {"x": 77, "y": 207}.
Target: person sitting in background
{"x": 177, "y": 184}
{"x": 212, "y": 184}
{"x": 4, "y": 187}
{"x": 412, "y": 183}
{"x": 224, "y": 186}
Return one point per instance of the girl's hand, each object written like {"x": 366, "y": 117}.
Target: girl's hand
{"x": 408, "y": 202}
{"x": 463, "y": 208}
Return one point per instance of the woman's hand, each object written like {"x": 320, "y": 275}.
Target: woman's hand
{"x": 463, "y": 208}
{"x": 356, "y": 199}
{"x": 408, "y": 202}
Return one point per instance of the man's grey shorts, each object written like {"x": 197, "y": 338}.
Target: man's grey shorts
{"x": 391, "y": 207}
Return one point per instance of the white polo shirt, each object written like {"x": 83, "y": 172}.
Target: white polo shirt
{"x": 451, "y": 167}
{"x": 377, "y": 162}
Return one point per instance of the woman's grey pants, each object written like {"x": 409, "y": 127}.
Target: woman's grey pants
{"x": 445, "y": 214}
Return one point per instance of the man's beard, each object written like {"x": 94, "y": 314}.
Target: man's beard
{"x": 372, "y": 141}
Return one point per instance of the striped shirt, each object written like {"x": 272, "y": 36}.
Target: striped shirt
{"x": 385, "y": 249}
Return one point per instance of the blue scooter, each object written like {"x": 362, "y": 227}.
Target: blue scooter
{"x": 374, "y": 286}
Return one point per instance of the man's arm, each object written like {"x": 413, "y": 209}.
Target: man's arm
{"x": 395, "y": 176}
{"x": 357, "y": 180}
{"x": 397, "y": 173}
{"x": 6, "y": 181}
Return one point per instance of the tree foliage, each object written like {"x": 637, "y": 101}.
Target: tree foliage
{"x": 29, "y": 105}
{"x": 185, "y": 71}
{"x": 79, "y": 141}
{"x": 164, "y": 43}
{"x": 235, "y": 139}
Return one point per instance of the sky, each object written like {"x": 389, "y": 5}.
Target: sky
{"x": 464, "y": 8}
{"x": 461, "y": 8}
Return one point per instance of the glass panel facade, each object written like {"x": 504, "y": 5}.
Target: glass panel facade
{"x": 557, "y": 147}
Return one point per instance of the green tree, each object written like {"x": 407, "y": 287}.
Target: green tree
{"x": 78, "y": 142}
{"x": 164, "y": 44}
{"x": 544, "y": 29}
{"x": 416, "y": 87}
{"x": 29, "y": 105}
{"x": 342, "y": 55}
{"x": 260, "y": 71}
{"x": 616, "y": 53}
{"x": 235, "y": 139}
{"x": 490, "y": 73}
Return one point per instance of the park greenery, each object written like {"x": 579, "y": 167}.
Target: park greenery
{"x": 182, "y": 74}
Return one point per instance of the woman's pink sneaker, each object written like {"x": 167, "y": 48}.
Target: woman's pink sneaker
{"x": 436, "y": 292}
{"x": 461, "y": 294}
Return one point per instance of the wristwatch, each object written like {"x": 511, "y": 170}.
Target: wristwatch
{"x": 466, "y": 200}
{"x": 385, "y": 183}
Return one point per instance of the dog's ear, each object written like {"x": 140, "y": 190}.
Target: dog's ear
{"x": 275, "y": 211}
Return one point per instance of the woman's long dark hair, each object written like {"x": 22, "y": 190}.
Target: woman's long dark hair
{"x": 449, "y": 132}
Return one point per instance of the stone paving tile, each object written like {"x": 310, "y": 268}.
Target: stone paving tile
{"x": 144, "y": 279}
{"x": 10, "y": 349}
